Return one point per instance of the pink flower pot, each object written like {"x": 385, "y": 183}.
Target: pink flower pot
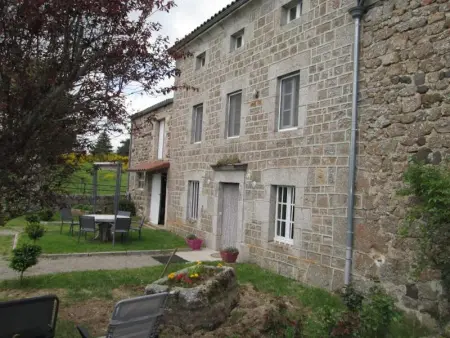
{"x": 229, "y": 257}
{"x": 195, "y": 244}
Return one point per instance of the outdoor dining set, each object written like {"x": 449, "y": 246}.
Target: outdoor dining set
{"x": 105, "y": 227}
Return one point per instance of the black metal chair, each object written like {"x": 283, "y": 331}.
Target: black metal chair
{"x": 122, "y": 225}
{"x": 124, "y": 213}
{"x": 66, "y": 217}
{"x": 139, "y": 227}
{"x": 135, "y": 317}
{"x": 29, "y": 317}
{"x": 87, "y": 224}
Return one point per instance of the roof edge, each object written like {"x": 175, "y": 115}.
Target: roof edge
{"x": 208, "y": 24}
{"x": 150, "y": 109}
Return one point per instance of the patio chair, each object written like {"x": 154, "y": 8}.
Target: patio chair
{"x": 29, "y": 318}
{"x": 122, "y": 225}
{"x": 135, "y": 318}
{"x": 124, "y": 213}
{"x": 139, "y": 227}
{"x": 67, "y": 217}
{"x": 87, "y": 224}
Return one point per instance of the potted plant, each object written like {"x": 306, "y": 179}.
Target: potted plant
{"x": 194, "y": 242}
{"x": 229, "y": 255}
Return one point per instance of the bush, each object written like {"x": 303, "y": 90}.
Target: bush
{"x": 127, "y": 205}
{"x": 34, "y": 231}
{"x": 33, "y": 218}
{"x": 191, "y": 237}
{"x": 46, "y": 215}
{"x": 24, "y": 257}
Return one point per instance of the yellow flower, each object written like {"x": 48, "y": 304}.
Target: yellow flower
{"x": 172, "y": 275}
{"x": 192, "y": 276}
{"x": 219, "y": 265}
{"x": 199, "y": 262}
{"x": 196, "y": 275}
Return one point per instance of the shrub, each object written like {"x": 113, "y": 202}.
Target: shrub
{"x": 46, "y": 215}
{"x": 231, "y": 249}
{"x": 32, "y": 218}
{"x": 127, "y": 205}
{"x": 34, "y": 231}
{"x": 191, "y": 237}
{"x": 352, "y": 298}
{"x": 24, "y": 257}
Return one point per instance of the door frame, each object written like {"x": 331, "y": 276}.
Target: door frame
{"x": 154, "y": 198}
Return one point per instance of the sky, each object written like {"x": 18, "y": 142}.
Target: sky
{"x": 180, "y": 21}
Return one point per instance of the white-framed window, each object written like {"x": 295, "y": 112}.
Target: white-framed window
{"x": 161, "y": 134}
{"x": 237, "y": 40}
{"x": 200, "y": 61}
{"x": 197, "y": 123}
{"x": 289, "y": 100}
{"x": 292, "y": 11}
{"x": 140, "y": 180}
{"x": 285, "y": 214}
{"x": 193, "y": 193}
{"x": 234, "y": 114}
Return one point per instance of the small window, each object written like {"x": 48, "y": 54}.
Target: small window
{"x": 140, "y": 180}
{"x": 193, "y": 193}
{"x": 197, "y": 124}
{"x": 234, "y": 114}
{"x": 285, "y": 214}
{"x": 292, "y": 11}
{"x": 237, "y": 40}
{"x": 288, "y": 110}
{"x": 200, "y": 61}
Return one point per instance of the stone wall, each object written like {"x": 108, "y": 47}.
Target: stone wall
{"x": 405, "y": 111}
{"x": 144, "y": 148}
{"x": 313, "y": 157}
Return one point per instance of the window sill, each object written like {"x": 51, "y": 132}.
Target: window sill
{"x": 232, "y": 137}
{"x": 197, "y": 142}
{"x": 287, "y": 129}
{"x": 283, "y": 242}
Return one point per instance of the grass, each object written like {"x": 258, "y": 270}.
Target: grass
{"x": 6, "y": 243}
{"x": 80, "y": 182}
{"x": 53, "y": 242}
{"x": 83, "y": 285}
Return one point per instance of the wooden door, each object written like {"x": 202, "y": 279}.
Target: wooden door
{"x": 229, "y": 216}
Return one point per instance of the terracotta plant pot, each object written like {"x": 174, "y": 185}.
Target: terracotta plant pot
{"x": 229, "y": 257}
{"x": 195, "y": 244}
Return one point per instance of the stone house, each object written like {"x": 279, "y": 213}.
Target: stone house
{"x": 260, "y": 153}
{"x": 149, "y": 160}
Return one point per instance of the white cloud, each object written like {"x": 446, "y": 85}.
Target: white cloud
{"x": 180, "y": 21}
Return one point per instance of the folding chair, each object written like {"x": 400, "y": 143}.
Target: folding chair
{"x": 29, "y": 317}
{"x": 135, "y": 318}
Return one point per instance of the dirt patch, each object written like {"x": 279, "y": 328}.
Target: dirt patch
{"x": 257, "y": 315}
{"x": 18, "y": 293}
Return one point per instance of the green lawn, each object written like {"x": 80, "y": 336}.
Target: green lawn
{"x": 53, "y": 242}
{"x": 83, "y": 285}
{"x": 80, "y": 182}
{"x": 6, "y": 243}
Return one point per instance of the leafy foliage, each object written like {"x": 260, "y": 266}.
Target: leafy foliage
{"x": 32, "y": 218}
{"x": 428, "y": 215}
{"x": 103, "y": 145}
{"x": 351, "y": 298}
{"x": 46, "y": 214}
{"x": 24, "y": 257}
{"x": 124, "y": 148}
{"x": 35, "y": 231}
{"x": 231, "y": 249}
{"x": 127, "y": 205}
{"x": 66, "y": 68}
{"x": 191, "y": 236}
{"x": 228, "y": 160}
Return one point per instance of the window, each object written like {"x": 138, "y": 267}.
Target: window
{"x": 285, "y": 214}
{"x": 197, "y": 124}
{"x": 141, "y": 180}
{"x": 237, "y": 40}
{"x": 200, "y": 61}
{"x": 161, "y": 133}
{"x": 193, "y": 191}
{"x": 292, "y": 11}
{"x": 234, "y": 114}
{"x": 288, "y": 112}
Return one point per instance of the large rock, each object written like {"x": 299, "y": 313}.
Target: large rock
{"x": 204, "y": 307}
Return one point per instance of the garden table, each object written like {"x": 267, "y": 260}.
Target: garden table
{"x": 105, "y": 222}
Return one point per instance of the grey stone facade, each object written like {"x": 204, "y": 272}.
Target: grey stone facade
{"x": 144, "y": 149}
{"x": 404, "y": 110}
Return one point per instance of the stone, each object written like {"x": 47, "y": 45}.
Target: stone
{"x": 319, "y": 276}
{"x": 412, "y": 291}
{"x": 405, "y": 79}
{"x": 421, "y": 141}
{"x": 389, "y": 59}
{"x": 419, "y": 79}
{"x": 428, "y": 100}
{"x": 436, "y": 158}
{"x": 202, "y": 307}
{"x": 411, "y": 104}
{"x": 422, "y": 89}
{"x": 422, "y": 155}
{"x": 436, "y": 17}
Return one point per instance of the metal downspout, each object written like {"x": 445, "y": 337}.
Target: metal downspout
{"x": 357, "y": 13}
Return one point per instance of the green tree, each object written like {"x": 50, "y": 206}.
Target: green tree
{"x": 103, "y": 145}
{"x": 24, "y": 257}
{"x": 124, "y": 148}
